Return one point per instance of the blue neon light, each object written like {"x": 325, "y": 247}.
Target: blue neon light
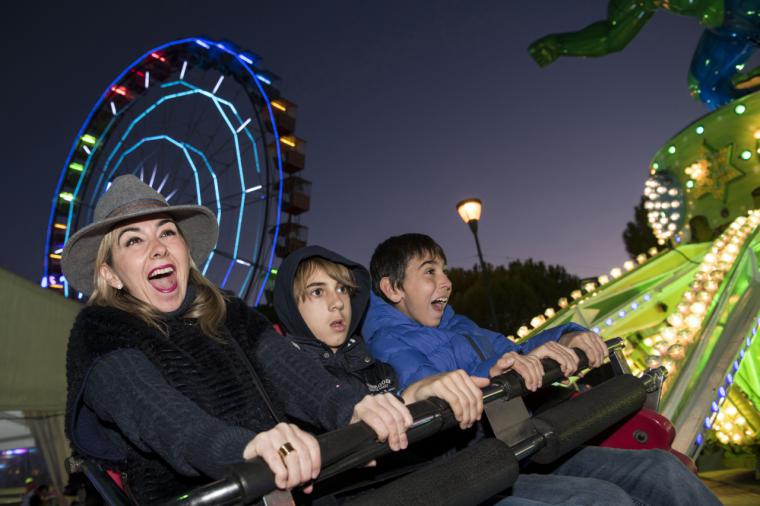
{"x": 255, "y": 150}
{"x": 184, "y": 147}
{"x": 145, "y": 140}
{"x": 242, "y": 180}
{"x": 217, "y": 100}
{"x": 258, "y": 170}
{"x": 279, "y": 186}
{"x": 126, "y": 134}
{"x": 192, "y": 91}
{"x": 227, "y": 274}
{"x": 722, "y": 394}
{"x": 279, "y": 171}
{"x": 208, "y": 262}
{"x": 213, "y": 178}
{"x": 245, "y": 61}
{"x": 72, "y": 150}
{"x": 246, "y": 281}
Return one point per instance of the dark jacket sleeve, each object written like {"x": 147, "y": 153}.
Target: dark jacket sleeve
{"x": 301, "y": 387}
{"x": 124, "y": 388}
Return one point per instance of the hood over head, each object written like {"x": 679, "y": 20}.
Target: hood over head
{"x": 286, "y": 307}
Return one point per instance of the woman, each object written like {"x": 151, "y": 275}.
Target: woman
{"x": 169, "y": 380}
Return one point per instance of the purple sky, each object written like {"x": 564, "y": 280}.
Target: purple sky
{"x": 407, "y": 107}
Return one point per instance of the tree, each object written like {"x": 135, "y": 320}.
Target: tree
{"x": 638, "y": 236}
{"x": 521, "y": 290}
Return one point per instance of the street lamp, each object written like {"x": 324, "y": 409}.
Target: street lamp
{"x": 469, "y": 210}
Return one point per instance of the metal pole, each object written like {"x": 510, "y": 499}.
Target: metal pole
{"x": 486, "y": 275}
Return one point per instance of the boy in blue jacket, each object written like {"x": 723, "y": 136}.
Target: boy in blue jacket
{"x": 410, "y": 325}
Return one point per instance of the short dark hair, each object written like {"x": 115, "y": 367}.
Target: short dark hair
{"x": 392, "y": 255}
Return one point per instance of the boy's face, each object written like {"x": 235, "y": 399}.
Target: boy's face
{"x": 425, "y": 291}
{"x": 326, "y": 309}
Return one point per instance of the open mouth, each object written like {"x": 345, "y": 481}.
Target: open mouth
{"x": 440, "y": 303}
{"x": 338, "y": 325}
{"x": 163, "y": 278}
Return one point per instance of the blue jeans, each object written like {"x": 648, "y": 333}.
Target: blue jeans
{"x": 607, "y": 476}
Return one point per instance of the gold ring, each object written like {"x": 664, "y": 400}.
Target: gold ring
{"x": 285, "y": 450}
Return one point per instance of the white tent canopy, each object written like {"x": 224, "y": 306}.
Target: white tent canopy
{"x": 34, "y": 328}
{"x": 14, "y": 433}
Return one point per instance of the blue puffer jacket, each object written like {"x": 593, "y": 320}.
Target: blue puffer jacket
{"x": 416, "y": 351}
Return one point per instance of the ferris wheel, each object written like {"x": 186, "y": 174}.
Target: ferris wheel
{"x": 201, "y": 122}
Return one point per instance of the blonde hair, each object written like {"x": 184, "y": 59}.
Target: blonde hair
{"x": 338, "y": 272}
{"x": 208, "y": 307}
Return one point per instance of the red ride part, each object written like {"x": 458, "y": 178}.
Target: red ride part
{"x": 116, "y": 477}
{"x": 647, "y": 430}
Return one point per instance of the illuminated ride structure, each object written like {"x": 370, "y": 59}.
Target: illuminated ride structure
{"x": 695, "y": 308}
{"x": 203, "y": 123}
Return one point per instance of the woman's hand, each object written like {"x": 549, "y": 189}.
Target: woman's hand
{"x": 292, "y": 455}
{"x": 462, "y": 392}
{"x": 591, "y": 344}
{"x": 387, "y": 416}
{"x": 529, "y": 367}
{"x": 564, "y": 356}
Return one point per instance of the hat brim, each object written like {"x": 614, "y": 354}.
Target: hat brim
{"x": 197, "y": 224}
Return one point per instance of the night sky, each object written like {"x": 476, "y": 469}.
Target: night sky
{"x": 407, "y": 107}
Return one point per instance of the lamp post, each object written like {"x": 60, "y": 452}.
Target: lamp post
{"x": 469, "y": 210}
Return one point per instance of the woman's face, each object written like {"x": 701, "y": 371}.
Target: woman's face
{"x": 151, "y": 261}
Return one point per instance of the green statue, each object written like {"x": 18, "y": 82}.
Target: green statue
{"x": 732, "y": 35}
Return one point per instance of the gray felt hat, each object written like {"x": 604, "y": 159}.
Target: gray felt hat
{"x": 126, "y": 199}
